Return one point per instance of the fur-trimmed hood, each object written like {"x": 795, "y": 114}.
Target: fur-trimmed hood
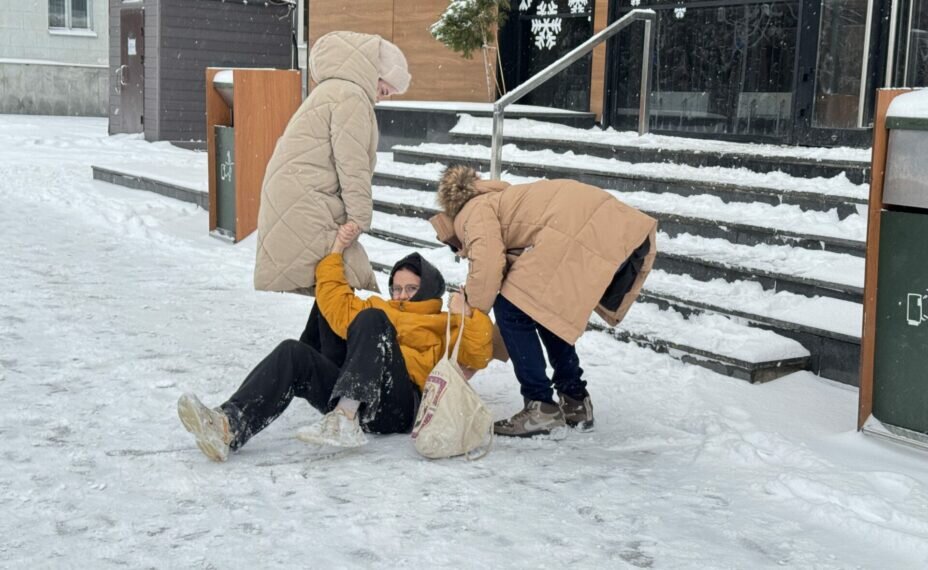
{"x": 458, "y": 184}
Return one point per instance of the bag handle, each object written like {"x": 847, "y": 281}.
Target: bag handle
{"x": 457, "y": 345}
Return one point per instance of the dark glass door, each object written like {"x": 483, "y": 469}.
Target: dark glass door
{"x": 910, "y": 64}
{"x": 537, "y": 34}
{"x": 837, "y": 73}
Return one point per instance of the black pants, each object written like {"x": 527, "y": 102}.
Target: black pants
{"x": 374, "y": 373}
{"x": 319, "y": 335}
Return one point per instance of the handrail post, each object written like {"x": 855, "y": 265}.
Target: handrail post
{"x": 496, "y": 155}
{"x": 644, "y": 103}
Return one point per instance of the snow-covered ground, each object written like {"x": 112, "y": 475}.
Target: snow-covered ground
{"x": 114, "y": 302}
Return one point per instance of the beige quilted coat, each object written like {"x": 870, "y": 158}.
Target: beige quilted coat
{"x": 552, "y": 248}
{"x": 319, "y": 176}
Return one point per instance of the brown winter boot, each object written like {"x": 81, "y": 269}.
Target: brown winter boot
{"x": 537, "y": 418}
{"x": 577, "y": 413}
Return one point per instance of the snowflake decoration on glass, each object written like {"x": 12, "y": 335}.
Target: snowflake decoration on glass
{"x": 577, "y": 6}
{"x": 547, "y": 9}
{"x": 525, "y": 5}
{"x": 546, "y": 32}
{"x": 679, "y": 12}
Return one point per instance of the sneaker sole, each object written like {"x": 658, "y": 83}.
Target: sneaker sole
{"x": 315, "y": 439}
{"x": 330, "y": 442}
{"x": 582, "y": 426}
{"x": 556, "y": 433}
{"x": 189, "y": 413}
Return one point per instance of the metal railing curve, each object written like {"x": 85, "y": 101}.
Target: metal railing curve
{"x": 499, "y": 107}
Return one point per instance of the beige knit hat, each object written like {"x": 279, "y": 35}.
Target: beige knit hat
{"x": 393, "y": 68}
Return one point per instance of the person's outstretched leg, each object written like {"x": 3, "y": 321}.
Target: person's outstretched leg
{"x": 520, "y": 334}
{"x": 291, "y": 369}
{"x": 374, "y": 381}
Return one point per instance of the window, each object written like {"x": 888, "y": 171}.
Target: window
{"x": 69, "y": 14}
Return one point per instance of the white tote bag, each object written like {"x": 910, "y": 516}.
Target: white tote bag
{"x": 452, "y": 419}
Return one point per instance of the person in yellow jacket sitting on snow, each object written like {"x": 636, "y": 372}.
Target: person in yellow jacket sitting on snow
{"x": 389, "y": 348}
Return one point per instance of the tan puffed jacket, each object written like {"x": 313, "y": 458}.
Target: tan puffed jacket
{"x": 319, "y": 176}
{"x": 553, "y": 248}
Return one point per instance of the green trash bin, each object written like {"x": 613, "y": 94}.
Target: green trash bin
{"x": 225, "y": 180}
{"x": 900, "y": 368}
{"x": 900, "y": 388}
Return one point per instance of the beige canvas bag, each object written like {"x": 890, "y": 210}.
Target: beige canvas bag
{"x": 452, "y": 419}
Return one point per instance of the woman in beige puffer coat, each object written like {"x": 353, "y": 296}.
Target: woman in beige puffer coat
{"x": 544, "y": 256}
{"x": 319, "y": 176}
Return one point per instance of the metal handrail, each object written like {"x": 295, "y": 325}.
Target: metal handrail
{"x": 499, "y": 107}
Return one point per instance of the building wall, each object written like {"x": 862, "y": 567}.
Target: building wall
{"x": 198, "y": 34}
{"x": 24, "y": 34}
{"x": 34, "y": 88}
{"x": 182, "y": 39}
{"x": 51, "y": 72}
{"x": 438, "y": 74}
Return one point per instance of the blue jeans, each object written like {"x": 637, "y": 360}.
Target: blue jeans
{"x": 521, "y": 334}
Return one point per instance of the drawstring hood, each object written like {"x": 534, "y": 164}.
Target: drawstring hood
{"x": 432, "y": 285}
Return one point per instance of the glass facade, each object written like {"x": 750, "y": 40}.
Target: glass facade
{"x": 841, "y": 56}
{"x": 718, "y": 69}
{"x": 915, "y": 48}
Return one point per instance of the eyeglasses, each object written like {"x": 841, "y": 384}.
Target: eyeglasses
{"x": 410, "y": 290}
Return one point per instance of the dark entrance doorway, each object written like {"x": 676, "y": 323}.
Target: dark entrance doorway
{"x": 836, "y": 73}
{"x": 909, "y": 36}
{"x": 780, "y": 71}
{"x": 536, "y": 35}
{"x": 130, "y": 76}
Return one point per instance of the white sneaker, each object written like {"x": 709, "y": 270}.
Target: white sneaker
{"x": 335, "y": 428}
{"x": 209, "y": 427}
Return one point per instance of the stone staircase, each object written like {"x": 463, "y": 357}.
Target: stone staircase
{"x": 760, "y": 248}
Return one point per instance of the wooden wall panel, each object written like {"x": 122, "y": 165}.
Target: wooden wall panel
{"x": 877, "y": 171}
{"x": 265, "y": 100}
{"x": 437, "y": 72}
{"x": 598, "y": 85}
{"x": 364, "y": 16}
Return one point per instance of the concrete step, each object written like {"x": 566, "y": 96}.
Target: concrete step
{"x": 711, "y": 341}
{"x": 828, "y": 328}
{"x": 701, "y": 215}
{"x": 531, "y": 134}
{"x": 730, "y": 185}
{"x": 149, "y": 184}
{"x": 411, "y": 122}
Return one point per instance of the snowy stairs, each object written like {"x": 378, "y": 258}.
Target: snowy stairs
{"x": 682, "y": 205}
{"x": 759, "y": 272}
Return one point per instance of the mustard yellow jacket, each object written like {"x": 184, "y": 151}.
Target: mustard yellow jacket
{"x": 420, "y": 325}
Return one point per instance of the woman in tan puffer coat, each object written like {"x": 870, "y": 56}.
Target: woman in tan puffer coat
{"x": 544, "y": 256}
{"x": 319, "y": 176}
